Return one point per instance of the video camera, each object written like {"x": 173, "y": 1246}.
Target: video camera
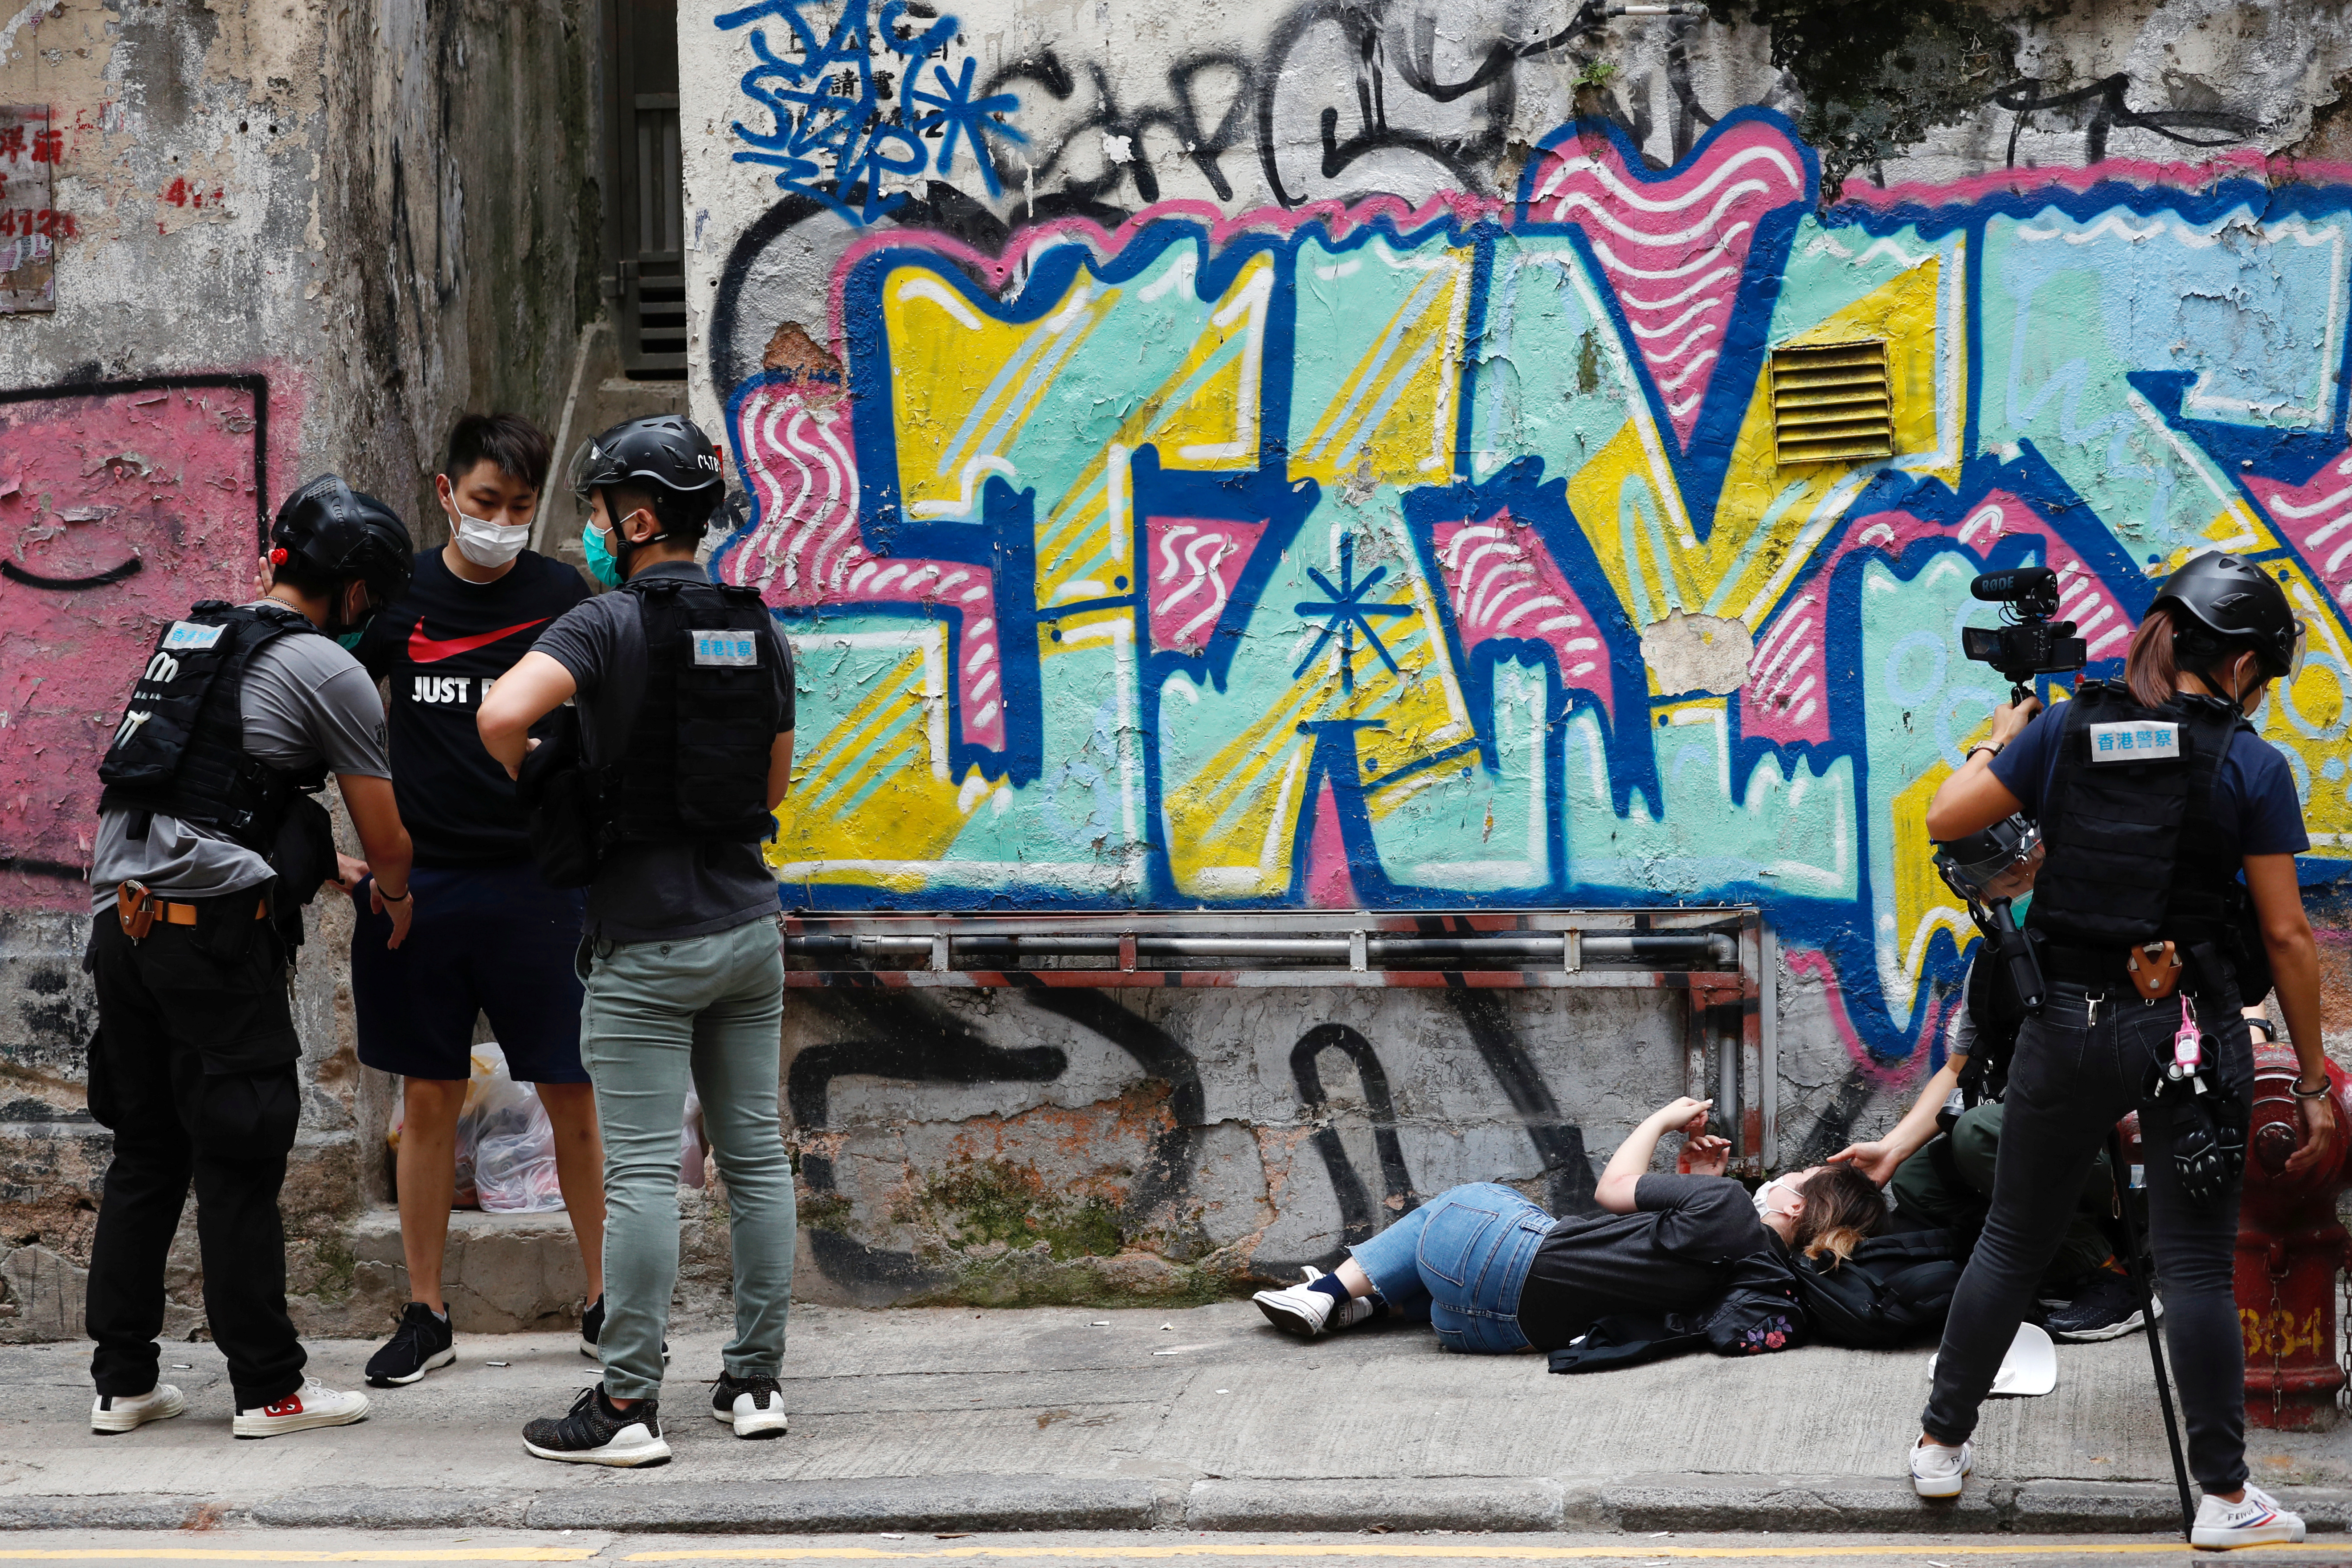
{"x": 2028, "y": 643}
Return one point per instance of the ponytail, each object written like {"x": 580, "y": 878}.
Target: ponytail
{"x": 2151, "y": 666}
{"x": 1842, "y": 1210}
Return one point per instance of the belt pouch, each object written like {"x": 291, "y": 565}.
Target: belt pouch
{"x": 225, "y": 926}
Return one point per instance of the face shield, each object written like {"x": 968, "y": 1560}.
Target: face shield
{"x": 592, "y": 467}
{"x": 2000, "y": 863}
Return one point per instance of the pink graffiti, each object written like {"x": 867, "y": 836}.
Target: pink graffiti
{"x": 1193, "y": 564}
{"x": 1673, "y": 250}
{"x": 1503, "y": 584}
{"x": 804, "y": 549}
{"x": 160, "y": 480}
{"x": 2317, "y": 518}
{"x": 1787, "y": 678}
{"x": 1811, "y": 963}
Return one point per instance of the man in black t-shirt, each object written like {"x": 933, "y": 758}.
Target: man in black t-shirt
{"x": 499, "y": 941}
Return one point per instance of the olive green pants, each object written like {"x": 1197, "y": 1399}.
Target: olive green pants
{"x": 1952, "y": 1186}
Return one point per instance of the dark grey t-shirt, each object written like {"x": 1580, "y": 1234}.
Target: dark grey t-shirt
{"x": 304, "y": 701}
{"x": 1672, "y": 1254}
{"x": 648, "y": 893}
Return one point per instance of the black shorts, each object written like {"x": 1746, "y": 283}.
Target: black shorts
{"x": 493, "y": 940}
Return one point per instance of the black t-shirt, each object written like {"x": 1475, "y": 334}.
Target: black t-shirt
{"x": 441, "y": 645}
{"x": 1674, "y": 1254}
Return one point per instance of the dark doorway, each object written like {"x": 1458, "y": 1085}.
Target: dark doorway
{"x": 645, "y": 219}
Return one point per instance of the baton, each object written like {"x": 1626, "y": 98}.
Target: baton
{"x": 2155, "y": 1339}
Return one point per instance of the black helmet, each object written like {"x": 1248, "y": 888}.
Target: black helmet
{"x": 667, "y": 454}
{"x": 2228, "y": 603}
{"x": 340, "y": 533}
{"x": 1979, "y": 867}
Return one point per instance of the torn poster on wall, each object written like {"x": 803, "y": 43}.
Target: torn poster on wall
{"x": 28, "y": 225}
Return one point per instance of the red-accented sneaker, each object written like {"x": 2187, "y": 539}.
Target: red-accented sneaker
{"x": 312, "y": 1405}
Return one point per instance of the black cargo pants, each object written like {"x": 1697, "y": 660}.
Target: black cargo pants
{"x": 194, "y": 1069}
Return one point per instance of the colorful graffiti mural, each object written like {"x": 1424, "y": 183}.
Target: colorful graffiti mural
{"x": 1310, "y": 556}
{"x": 120, "y": 502}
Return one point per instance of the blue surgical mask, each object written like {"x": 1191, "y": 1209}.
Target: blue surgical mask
{"x": 600, "y": 564}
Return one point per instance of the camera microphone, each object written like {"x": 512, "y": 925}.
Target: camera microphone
{"x": 2025, "y": 582}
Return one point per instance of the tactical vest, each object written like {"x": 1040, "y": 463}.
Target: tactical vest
{"x": 1998, "y": 1013}
{"x": 696, "y": 765}
{"x": 2134, "y": 853}
{"x": 180, "y": 749}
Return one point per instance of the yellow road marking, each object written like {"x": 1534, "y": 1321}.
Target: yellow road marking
{"x": 1635, "y": 1549}
{"x": 230, "y": 1554}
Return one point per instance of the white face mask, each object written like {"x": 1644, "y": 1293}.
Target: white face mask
{"x": 486, "y": 543}
{"x": 1765, "y": 1192}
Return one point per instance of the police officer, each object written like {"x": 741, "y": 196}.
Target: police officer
{"x": 684, "y": 710}
{"x": 2153, "y": 794}
{"x": 210, "y": 840}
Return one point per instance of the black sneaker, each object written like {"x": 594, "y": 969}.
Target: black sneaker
{"x": 422, "y": 1341}
{"x": 591, "y": 1332}
{"x": 754, "y": 1405}
{"x": 2107, "y": 1308}
{"x": 594, "y": 1433}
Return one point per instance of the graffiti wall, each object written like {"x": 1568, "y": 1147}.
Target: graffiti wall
{"x": 1360, "y": 456}
{"x": 1442, "y": 550}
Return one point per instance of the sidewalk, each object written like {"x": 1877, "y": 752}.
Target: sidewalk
{"x": 1077, "y": 1420}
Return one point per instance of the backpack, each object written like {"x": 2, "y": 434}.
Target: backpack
{"x": 1758, "y": 1313}
{"x": 1895, "y": 1290}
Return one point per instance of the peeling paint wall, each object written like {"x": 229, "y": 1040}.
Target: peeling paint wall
{"x": 284, "y": 237}
{"x": 1213, "y": 457}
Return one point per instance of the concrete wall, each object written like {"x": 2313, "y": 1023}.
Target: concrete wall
{"x": 1223, "y": 456}
{"x": 285, "y": 238}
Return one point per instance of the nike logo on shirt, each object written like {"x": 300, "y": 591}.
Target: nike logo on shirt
{"x": 423, "y": 650}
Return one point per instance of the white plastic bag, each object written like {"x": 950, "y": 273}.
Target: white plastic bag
{"x": 506, "y": 1145}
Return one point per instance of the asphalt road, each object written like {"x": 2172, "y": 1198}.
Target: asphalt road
{"x": 1120, "y": 1549}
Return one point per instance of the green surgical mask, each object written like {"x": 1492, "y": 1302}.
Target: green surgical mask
{"x": 351, "y": 640}
{"x": 600, "y": 564}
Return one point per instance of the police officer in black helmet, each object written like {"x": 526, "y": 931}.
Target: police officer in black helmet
{"x": 684, "y": 710}
{"x": 2155, "y": 798}
{"x": 210, "y": 840}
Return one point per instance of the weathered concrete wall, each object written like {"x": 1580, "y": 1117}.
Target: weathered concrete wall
{"x": 287, "y": 237}
{"x": 1228, "y": 457}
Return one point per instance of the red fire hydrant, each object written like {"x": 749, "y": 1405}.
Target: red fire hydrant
{"x": 2290, "y": 1245}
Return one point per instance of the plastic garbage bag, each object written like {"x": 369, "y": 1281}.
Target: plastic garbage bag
{"x": 506, "y": 1145}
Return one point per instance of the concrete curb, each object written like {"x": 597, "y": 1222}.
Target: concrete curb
{"x": 638, "y": 1504}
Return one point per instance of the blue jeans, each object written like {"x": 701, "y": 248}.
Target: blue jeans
{"x": 1462, "y": 1258}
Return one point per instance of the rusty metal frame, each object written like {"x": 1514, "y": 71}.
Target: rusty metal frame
{"x": 1727, "y": 1036}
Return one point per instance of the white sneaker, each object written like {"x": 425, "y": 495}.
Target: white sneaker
{"x": 2258, "y": 1521}
{"x": 312, "y": 1405}
{"x": 111, "y": 1412}
{"x": 1939, "y": 1471}
{"x": 1306, "y": 1312}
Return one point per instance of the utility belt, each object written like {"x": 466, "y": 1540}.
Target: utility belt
{"x": 224, "y": 922}
{"x": 2150, "y": 971}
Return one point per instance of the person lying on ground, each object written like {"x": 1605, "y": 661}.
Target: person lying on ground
{"x": 1493, "y": 1273}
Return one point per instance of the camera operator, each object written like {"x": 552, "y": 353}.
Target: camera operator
{"x": 2151, "y": 795}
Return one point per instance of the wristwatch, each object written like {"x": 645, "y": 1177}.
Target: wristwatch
{"x": 1995, "y": 747}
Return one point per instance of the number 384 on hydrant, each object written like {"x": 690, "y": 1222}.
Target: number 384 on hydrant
{"x": 2290, "y": 1245}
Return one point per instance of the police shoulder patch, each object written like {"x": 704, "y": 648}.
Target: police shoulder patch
{"x": 2142, "y": 740}
{"x": 726, "y": 646}
{"x": 186, "y": 635}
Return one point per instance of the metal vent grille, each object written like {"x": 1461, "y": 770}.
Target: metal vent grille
{"x": 1831, "y": 402}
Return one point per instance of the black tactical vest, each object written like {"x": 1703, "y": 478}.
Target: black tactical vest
{"x": 2134, "y": 853}
{"x": 1998, "y": 1013}
{"x": 180, "y": 749}
{"x": 696, "y": 765}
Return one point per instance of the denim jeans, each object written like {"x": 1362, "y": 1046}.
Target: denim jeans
{"x": 709, "y": 1009}
{"x": 1463, "y": 1256}
{"x": 2071, "y": 1081}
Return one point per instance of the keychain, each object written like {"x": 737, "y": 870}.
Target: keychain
{"x": 2188, "y": 1047}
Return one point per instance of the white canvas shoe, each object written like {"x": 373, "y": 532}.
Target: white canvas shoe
{"x": 111, "y": 1412}
{"x": 2257, "y": 1520}
{"x": 1307, "y": 1312}
{"x": 1938, "y": 1471}
{"x": 312, "y": 1405}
